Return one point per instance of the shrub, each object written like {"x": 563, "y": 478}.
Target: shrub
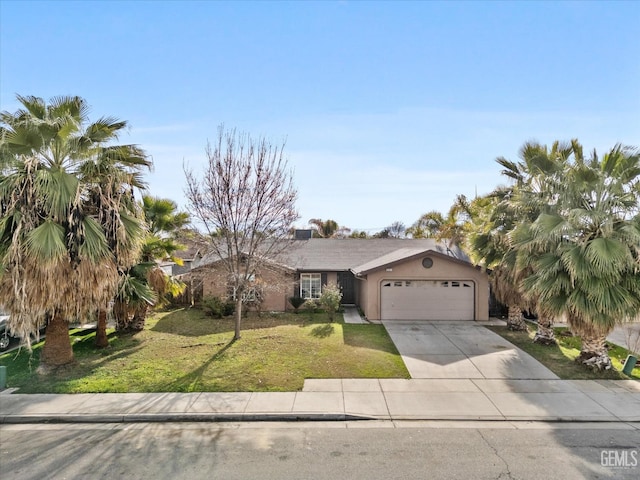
{"x": 296, "y": 303}
{"x": 310, "y": 306}
{"x": 217, "y": 308}
{"x": 229, "y": 308}
{"x": 330, "y": 300}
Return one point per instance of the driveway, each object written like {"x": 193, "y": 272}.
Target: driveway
{"x": 461, "y": 350}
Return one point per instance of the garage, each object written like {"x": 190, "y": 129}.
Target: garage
{"x": 427, "y": 300}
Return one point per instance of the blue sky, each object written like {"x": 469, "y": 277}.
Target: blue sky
{"x": 389, "y": 110}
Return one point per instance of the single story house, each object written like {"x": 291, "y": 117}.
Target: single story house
{"x": 389, "y": 279}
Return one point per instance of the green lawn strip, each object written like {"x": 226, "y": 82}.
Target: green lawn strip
{"x": 560, "y": 358}
{"x": 184, "y": 350}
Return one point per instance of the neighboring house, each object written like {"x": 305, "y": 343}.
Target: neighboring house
{"x": 192, "y": 253}
{"x": 390, "y": 279}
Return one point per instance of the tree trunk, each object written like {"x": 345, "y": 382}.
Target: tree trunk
{"x": 236, "y": 335}
{"x": 139, "y": 318}
{"x": 515, "y": 320}
{"x": 594, "y": 353}
{"x": 57, "y": 344}
{"x": 101, "y": 330}
{"x": 121, "y": 316}
{"x": 545, "y": 334}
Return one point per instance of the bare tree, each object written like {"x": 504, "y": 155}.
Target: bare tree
{"x": 245, "y": 199}
{"x": 395, "y": 230}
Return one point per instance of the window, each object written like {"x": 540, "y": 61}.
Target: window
{"x": 310, "y": 285}
{"x": 251, "y": 291}
{"x": 249, "y": 295}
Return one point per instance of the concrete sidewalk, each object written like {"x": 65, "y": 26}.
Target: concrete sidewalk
{"x": 349, "y": 399}
{"x": 461, "y": 371}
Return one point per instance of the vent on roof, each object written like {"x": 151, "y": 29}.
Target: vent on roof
{"x": 303, "y": 234}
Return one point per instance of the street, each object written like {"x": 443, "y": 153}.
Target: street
{"x": 354, "y": 450}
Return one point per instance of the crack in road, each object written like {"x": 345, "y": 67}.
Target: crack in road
{"x": 495, "y": 450}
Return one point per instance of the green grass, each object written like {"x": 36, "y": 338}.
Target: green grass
{"x": 560, "y": 358}
{"x": 186, "y": 351}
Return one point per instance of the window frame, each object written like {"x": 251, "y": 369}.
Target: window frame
{"x": 314, "y": 291}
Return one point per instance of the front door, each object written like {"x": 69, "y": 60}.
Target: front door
{"x": 346, "y": 282}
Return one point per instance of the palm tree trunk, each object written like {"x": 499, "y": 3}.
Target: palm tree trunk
{"x": 121, "y": 316}
{"x": 139, "y": 318}
{"x": 545, "y": 334}
{"x": 594, "y": 353}
{"x": 236, "y": 335}
{"x": 515, "y": 320}
{"x": 101, "y": 330}
{"x": 57, "y": 344}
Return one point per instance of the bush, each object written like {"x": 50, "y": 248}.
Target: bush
{"x": 217, "y": 308}
{"x": 296, "y": 303}
{"x": 228, "y": 308}
{"x": 330, "y": 299}
{"x": 310, "y": 307}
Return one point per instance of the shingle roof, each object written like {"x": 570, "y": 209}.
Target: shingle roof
{"x": 343, "y": 254}
{"x": 395, "y": 256}
{"x": 328, "y": 254}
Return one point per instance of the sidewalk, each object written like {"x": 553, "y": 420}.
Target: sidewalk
{"x": 348, "y": 399}
{"x": 460, "y": 371}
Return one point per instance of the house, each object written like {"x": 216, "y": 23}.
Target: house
{"x": 389, "y": 279}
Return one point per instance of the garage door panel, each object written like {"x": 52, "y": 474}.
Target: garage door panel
{"x": 427, "y": 300}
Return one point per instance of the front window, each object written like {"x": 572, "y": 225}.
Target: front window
{"x": 251, "y": 290}
{"x": 310, "y": 285}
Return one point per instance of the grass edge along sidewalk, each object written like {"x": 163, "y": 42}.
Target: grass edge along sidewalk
{"x": 184, "y": 350}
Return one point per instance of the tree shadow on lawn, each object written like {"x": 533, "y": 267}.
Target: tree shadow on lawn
{"x": 193, "y": 322}
{"x": 192, "y": 381}
{"x": 323, "y": 331}
{"x": 23, "y": 366}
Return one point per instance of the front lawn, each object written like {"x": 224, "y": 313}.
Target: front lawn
{"x": 560, "y": 358}
{"x": 186, "y": 351}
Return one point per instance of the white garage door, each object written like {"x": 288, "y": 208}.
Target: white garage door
{"x": 426, "y": 300}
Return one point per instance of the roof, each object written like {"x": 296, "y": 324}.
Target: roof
{"x": 395, "y": 256}
{"x": 344, "y": 254}
{"x": 329, "y": 254}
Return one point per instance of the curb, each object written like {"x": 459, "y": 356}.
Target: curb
{"x": 182, "y": 417}
{"x": 280, "y": 417}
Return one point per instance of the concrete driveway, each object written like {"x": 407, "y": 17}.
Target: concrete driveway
{"x": 461, "y": 350}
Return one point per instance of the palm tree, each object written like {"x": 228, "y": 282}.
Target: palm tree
{"x": 162, "y": 216}
{"x": 328, "y": 228}
{"x": 427, "y": 226}
{"x": 133, "y": 300}
{"x": 61, "y": 220}
{"x": 491, "y": 238}
{"x": 449, "y": 229}
{"x": 489, "y": 242}
{"x": 584, "y": 251}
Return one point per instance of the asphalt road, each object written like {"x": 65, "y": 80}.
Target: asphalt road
{"x": 361, "y": 450}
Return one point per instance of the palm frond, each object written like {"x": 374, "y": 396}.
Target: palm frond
{"x": 47, "y": 242}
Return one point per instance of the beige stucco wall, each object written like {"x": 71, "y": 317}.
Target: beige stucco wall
{"x": 279, "y": 283}
{"x": 442, "y": 269}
